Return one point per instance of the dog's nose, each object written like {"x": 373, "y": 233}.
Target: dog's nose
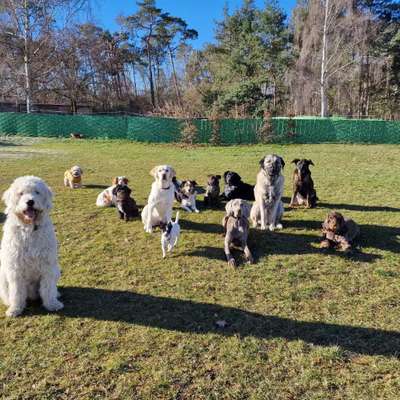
{"x": 30, "y": 203}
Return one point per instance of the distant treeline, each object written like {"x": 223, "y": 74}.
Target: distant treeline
{"x": 333, "y": 57}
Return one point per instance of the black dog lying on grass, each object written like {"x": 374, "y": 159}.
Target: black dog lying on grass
{"x": 126, "y": 206}
{"x": 235, "y": 188}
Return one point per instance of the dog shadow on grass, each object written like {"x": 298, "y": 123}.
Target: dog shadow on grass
{"x": 95, "y": 186}
{"x": 203, "y": 227}
{"x": 8, "y": 144}
{"x": 265, "y": 243}
{"x": 375, "y": 236}
{"x": 2, "y": 217}
{"x": 356, "y": 207}
{"x": 200, "y": 318}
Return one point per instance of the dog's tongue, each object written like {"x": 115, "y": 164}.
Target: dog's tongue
{"x": 30, "y": 213}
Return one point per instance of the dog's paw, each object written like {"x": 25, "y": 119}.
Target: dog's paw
{"x": 250, "y": 260}
{"x": 54, "y": 306}
{"x": 279, "y": 226}
{"x": 232, "y": 263}
{"x": 196, "y": 210}
{"x": 272, "y": 227}
{"x": 148, "y": 230}
{"x": 13, "y": 312}
{"x": 264, "y": 227}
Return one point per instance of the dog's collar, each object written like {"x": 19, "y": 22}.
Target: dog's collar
{"x": 166, "y": 188}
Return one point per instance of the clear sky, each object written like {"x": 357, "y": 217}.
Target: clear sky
{"x": 199, "y": 14}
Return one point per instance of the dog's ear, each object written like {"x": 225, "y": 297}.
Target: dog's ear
{"x": 114, "y": 191}
{"x": 282, "y": 162}
{"x": 125, "y": 180}
{"x": 295, "y": 161}
{"x": 129, "y": 190}
{"x": 238, "y": 176}
{"x": 49, "y": 198}
{"x": 114, "y": 181}
{"x": 261, "y": 162}
{"x": 194, "y": 183}
{"x": 229, "y": 208}
{"x": 218, "y": 177}
{"x": 310, "y": 162}
{"x": 153, "y": 172}
{"x": 8, "y": 196}
{"x": 182, "y": 184}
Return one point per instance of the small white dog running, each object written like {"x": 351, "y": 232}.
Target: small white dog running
{"x": 28, "y": 256}
{"x": 169, "y": 235}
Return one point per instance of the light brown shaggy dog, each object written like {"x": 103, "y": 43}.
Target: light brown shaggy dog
{"x": 339, "y": 232}
{"x": 73, "y": 177}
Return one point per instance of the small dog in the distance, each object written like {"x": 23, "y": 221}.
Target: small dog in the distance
{"x": 126, "y": 206}
{"x": 169, "y": 235}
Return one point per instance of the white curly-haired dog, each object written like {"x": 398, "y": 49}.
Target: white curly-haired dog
{"x": 161, "y": 199}
{"x": 28, "y": 254}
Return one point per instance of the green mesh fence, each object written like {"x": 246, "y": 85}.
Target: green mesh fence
{"x": 231, "y": 131}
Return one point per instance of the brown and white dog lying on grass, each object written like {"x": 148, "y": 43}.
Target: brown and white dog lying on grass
{"x": 339, "y": 232}
{"x": 73, "y": 177}
{"x": 106, "y": 198}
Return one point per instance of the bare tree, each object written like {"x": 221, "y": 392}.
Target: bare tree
{"x": 29, "y": 24}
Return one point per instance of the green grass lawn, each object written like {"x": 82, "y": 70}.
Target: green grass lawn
{"x": 301, "y": 324}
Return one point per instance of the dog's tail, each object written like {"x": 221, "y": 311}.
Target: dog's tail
{"x": 177, "y": 217}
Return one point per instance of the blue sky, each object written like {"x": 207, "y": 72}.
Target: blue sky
{"x": 199, "y": 14}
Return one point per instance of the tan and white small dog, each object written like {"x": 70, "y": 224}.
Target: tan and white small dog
{"x": 106, "y": 198}
{"x": 73, "y": 177}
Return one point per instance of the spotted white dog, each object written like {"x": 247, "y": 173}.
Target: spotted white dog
{"x": 28, "y": 255}
{"x": 170, "y": 234}
{"x": 161, "y": 199}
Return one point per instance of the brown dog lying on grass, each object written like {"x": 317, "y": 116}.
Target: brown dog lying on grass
{"x": 339, "y": 232}
{"x": 126, "y": 206}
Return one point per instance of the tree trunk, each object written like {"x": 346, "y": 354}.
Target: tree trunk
{"x": 151, "y": 79}
{"x": 324, "y": 102}
{"x": 177, "y": 91}
{"x": 134, "y": 79}
{"x": 27, "y": 69}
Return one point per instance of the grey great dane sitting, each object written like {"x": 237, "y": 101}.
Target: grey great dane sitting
{"x": 236, "y": 229}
